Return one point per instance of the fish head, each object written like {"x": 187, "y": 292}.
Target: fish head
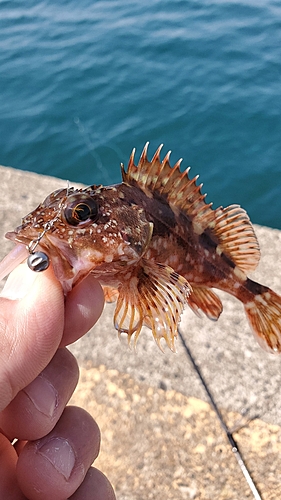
{"x": 96, "y": 229}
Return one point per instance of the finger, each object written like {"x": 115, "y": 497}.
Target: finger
{"x": 56, "y": 465}
{"x": 8, "y": 485}
{"x": 94, "y": 487}
{"x": 42, "y": 402}
{"x": 31, "y": 327}
{"x": 83, "y": 307}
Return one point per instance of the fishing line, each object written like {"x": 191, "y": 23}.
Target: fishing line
{"x": 92, "y": 148}
{"x": 231, "y": 440}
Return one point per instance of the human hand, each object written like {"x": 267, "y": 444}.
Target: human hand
{"x": 56, "y": 445}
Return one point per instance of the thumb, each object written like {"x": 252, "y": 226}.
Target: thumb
{"x": 31, "y": 327}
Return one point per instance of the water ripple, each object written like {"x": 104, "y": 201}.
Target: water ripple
{"x": 82, "y": 83}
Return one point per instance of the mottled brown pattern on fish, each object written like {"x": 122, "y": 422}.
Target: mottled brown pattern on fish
{"x": 156, "y": 245}
{"x": 193, "y": 256}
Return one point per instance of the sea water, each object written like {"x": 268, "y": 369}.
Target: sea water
{"x": 82, "y": 83}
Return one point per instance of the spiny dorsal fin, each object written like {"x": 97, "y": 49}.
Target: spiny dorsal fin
{"x": 237, "y": 238}
{"x": 176, "y": 187}
{"x": 231, "y": 225}
{"x": 153, "y": 295}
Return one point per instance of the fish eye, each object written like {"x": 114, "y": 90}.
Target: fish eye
{"x": 79, "y": 209}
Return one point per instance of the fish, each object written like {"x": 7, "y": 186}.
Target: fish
{"x": 155, "y": 245}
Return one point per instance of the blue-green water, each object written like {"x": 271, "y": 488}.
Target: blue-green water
{"x": 84, "y": 82}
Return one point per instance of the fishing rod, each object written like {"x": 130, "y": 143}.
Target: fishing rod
{"x": 231, "y": 440}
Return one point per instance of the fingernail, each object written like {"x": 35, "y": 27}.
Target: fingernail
{"x": 43, "y": 395}
{"x": 60, "y": 454}
{"x": 18, "y": 283}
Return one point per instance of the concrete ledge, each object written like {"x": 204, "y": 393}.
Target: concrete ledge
{"x": 161, "y": 440}
{"x": 161, "y": 444}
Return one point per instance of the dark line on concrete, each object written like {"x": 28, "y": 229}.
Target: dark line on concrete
{"x": 231, "y": 440}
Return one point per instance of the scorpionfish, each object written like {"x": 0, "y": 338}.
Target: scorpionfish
{"x": 155, "y": 245}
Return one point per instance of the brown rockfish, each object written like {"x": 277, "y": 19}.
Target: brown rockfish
{"x": 155, "y": 245}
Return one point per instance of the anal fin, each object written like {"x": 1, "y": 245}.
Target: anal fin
{"x": 204, "y": 300}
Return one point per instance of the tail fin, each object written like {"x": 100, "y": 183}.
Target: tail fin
{"x": 264, "y": 315}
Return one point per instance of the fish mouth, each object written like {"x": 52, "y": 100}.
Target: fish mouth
{"x": 16, "y": 237}
{"x": 68, "y": 269}
{"x": 16, "y": 256}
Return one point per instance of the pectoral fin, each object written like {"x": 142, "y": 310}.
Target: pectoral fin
{"x": 110, "y": 294}
{"x": 153, "y": 295}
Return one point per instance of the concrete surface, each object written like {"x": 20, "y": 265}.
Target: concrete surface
{"x": 161, "y": 439}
